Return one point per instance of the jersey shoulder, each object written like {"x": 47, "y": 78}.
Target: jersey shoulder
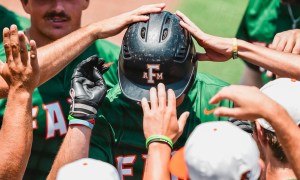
{"x": 209, "y": 80}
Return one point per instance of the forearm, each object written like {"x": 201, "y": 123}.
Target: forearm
{"x": 289, "y": 136}
{"x": 16, "y": 135}
{"x": 57, "y": 55}
{"x": 280, "y": 63}
{"x": 158, "y": 158}
{"x": 75, "y": 146}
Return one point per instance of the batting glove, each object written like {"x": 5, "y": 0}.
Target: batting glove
{"x": 88, "y": 89}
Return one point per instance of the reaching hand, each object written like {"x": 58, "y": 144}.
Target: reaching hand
{"x": 88, "y": 89}
{"x": 115, "y": 25}
{"x": 217, "y": 48}
{"x": 161, "y": 117}
{"x": 249, "y": 102}
{"x": 20, "y": 70}
{"x": 287, "y": 41}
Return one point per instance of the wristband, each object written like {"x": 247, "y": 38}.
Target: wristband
{"x": 88, "y": 123}
{"x": 159, "y": 138}
{"x": 235, "y": 54}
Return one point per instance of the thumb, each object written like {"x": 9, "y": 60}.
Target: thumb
{"x": 202, "y": 57}
{"x": 225, "y": 111}
{"x": 182, "y": 121}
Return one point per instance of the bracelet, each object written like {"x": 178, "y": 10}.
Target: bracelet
{"x": 159, "y": 138}
{"x": 234, "y": 48}
{"x": 88, "y": 123}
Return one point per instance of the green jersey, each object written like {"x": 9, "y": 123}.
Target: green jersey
{"x": 263, "y": 19}
{"x": 126, "y": 118}
{"x": 8, "y": 18}
{"x": 51, "y": 105}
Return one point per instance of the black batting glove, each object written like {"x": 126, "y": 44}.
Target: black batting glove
{"x": 88, "y": 88}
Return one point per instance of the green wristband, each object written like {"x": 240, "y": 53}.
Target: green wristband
{"x": 159, "y": 138}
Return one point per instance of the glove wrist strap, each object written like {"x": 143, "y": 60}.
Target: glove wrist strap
{"x": 79, "y": 108}
{"x": 88, "y": 123}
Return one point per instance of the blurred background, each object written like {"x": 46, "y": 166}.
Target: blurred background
{"x": 216, "y": 17}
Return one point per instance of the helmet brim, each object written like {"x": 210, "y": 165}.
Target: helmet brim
{"x": 136, "y": 92}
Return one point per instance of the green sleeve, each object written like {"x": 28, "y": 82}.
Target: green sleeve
{"x": 8, "y": 18}
{"x": 104, "y": 49}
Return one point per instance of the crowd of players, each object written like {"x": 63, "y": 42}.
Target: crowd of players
{"x": 137, "y": 106}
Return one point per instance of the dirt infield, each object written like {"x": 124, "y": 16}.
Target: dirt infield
{"x": 100, "y": 9}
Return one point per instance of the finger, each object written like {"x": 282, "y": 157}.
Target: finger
{"x": 189, "y": 28}
{"x": 186, "y": 20}
{"x": 14, "y": 42}
{"x": 275, "y": 42}
{"x": 161, "y": 96}
{"x": 296, "y": 48}
{"x": 7, "y": 47}
{"x": 104, "y": 69}
{"x": 145, "y": 106}
{"x": 152, "y": 8}
{"x": 171, "y": 100}
{"x": 153, "y": 98}
{"x": 281, "y": 45}
{"x": 289, "y": 45}
{"x": 227, "y": 112}
{"x": 139, "y": 18}
{"x": 182, "y": 121}
{"x": 33, "y": 54}
{"x": 203, "y": 57}
{"x": 23, "y": 47}
{"x": 225, "y": 93}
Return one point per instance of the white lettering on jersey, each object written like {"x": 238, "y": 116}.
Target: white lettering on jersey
{"x": 35, "y": 111}
{"x": 55, "y": 120}
{"x": 150, "y": 75}
{"x": 125, "y": 160}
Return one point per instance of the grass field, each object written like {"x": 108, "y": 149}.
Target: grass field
{"x": 222, "y": 18}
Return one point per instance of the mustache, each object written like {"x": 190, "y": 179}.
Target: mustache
{"x": 53, "y": 14}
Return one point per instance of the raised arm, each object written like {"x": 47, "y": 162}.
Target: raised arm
{"x": 220, "y": 49}
{"x": 57, "y": 55}
{"x": 161, "y": 120}
{"x": 251, "y": 104}
{"x": 21, "y": 73}
{"x": 88, "y": 90}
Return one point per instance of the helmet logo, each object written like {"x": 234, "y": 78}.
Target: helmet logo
{"x": 150, "y": 75}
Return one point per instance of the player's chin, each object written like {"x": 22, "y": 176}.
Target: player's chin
{"x": 54, "y": 33}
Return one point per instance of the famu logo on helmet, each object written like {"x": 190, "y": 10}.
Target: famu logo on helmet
{"x": 151, "y": 74}
{"x": 156, "y": 51}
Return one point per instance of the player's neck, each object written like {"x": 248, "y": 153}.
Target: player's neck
{"x": 276, "y": 170}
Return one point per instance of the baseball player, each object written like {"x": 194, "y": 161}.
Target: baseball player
{"x": 51, "y": 20}
{"x": 263, "y": 24}
{"x": 158, "y": 51}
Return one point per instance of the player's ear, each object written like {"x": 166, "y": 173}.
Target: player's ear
{"x": 86, "y": 4}
{"x": 26, "y": 6}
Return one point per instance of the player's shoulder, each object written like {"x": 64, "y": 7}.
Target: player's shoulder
{"x": 117, "y": 99}
{"x": 102, "y": 43}
{"x": 209, "y": 80}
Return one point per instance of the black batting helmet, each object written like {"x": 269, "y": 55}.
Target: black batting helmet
{"x": 156, "y": 51}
